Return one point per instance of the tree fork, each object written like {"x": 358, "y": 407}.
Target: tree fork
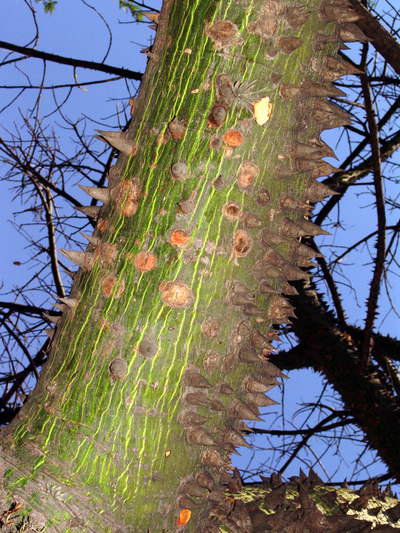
{"x": 163, "y": 347}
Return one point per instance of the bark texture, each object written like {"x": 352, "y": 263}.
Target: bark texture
{"x": 162, "y": 349}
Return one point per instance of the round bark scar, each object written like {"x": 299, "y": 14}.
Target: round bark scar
{"x": 247, "y": 172}
{"x": 243, "y": 243}
{"x": 222, "y": 32}
{"x": 217, "y": 116}
{"x": 126, "y": 196}
{"x": 107, "y": 254}
{"x": 148, "y": 348}
{"x": 145, "y": 261}
{"x": 233, "y": 138}
{"x": 107, "y": 284}
{"x": 211, "y": 327}
{"x": 232, "y": 211}
{"x": 179, "y": 238}
{"x": 176, "y": 294}
{"x": 211, "y": 361}
{"x": 118, "y": 368}
{"x": 263, "y": 197}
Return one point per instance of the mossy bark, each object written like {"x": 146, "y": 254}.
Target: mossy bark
{"x": 150, "y": 371}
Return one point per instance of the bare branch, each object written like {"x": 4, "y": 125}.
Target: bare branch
{"x": 92, "y": 65}
{"x": 380, "y": 207}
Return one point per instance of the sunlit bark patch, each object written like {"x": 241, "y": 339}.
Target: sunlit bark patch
{"x": 145, "y": 261}
{"x": 107, "y": 284}
{"x": 176, "y": 294}
{"x": 179, "y": 238}
{"x": 262, "y": 110}
{"x": 184, "y": 517}
{"x": 233, "y": 138}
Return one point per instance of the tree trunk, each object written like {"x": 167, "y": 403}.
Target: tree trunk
{"x": 141, "y": 403}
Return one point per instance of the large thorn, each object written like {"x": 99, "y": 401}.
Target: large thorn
{"x": 268, "y": 238}
{"x": 84, "y": 260}
{"x": 314, "y": 151}
{"x": 58, "y": 306}
{"x": 318, "y": 90}
{"x": 193, "y": 378}
{"x": 70, "y": 302}
{"x": 335, "y": 68}
{"x": 330, "y": 115}
{"x": 248, "y": 355}
{"x": 297, "y": 16}
{"x": 103, "y": 195}
{"x": 193, "y": 489}
{"x": 228, "y": 447}
{"x": 152, "y": 16}
{"x": 351, "y": 33}
{"x": 213, "y": 458}
{"x": 265, "y": 288}
{"x": 261, "y": 400}
{"x": 242, "y": 299}
{"x": 201, "y": 437}
{"x": 257, "y": 340}
{"x": 197, "y": 398}
{"x": 249, "y": 384}
{"x": 54, "y": 319}
{"x": 242, "y": 426}
{"x": 118, "y": 141}
{"x": 234, "y": 437}
{"x": 216, "y": 405}
{"x": 293, "y": 273}
{"x": 94, "y": 241}
{"x": 49, "y": 332}
{"x": 205, "y": 480}
{"x": 301, "y": 250}
{"x": 191, "y": 419}
{"x": 252, "y": 310}
{"x": 240, "y": 288}
{"x": 268, "y": 370}
{"x": 239, "y": 409}
{"x": 312, "y": 229}
{"x": 291, "y": 229}
{"x": 224, "y": 388}
{"x": 316, "y": 191}
{"x": 187, "y": 503}
{"x": 91, "y": 211}
{"x": 338, "y": 12}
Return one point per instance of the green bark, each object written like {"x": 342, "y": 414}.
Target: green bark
{"x": 172, "y": 294}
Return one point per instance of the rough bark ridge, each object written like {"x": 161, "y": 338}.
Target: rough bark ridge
{"x": 304, "y": 504}
{"x": 163, "y": 346}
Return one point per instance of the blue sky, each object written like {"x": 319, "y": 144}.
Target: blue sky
{"x": 75, "y": 30}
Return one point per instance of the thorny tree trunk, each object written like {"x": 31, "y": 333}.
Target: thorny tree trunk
{"x": 161, "y": 350}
